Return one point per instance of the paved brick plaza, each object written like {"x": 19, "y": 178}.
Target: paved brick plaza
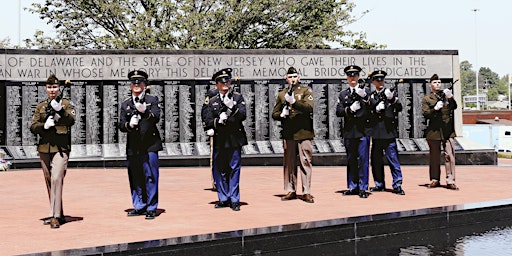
{"x": 98, "y": 198}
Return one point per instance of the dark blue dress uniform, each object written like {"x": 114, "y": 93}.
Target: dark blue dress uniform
{"x": 143, "y": 144}
{"x": 355, "y": 132}
{"x": 384, "y": 124}
{"x": 227, "y": 147}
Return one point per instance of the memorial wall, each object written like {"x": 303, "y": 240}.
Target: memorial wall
{"x": 181, "y": 78}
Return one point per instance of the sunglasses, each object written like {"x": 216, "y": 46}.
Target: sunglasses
{"x": 293, "y": 76}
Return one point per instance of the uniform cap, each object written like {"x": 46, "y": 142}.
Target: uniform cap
{"x": 223, "y": 75}
{"x": 291, "y": 70}
{"x": 434, "y": 77}
{"x": 378, "y": 75}
{"x": 52, "y": 79}
{"x": 137, "y": 76}
{"x": 352, "y": 70}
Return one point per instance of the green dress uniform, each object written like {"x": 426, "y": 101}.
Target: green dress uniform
{"x": 54, "y": 147}
{"x": 297, "y": 134}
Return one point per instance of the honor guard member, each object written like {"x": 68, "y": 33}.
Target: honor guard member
{"x": 52, "y": 123}
{"x": 294, "y": 108}
{"x": 385, "y": 107}
{"x": 438, "y": 108}
{"x": 353, "y": 106}
{"x": 139, "y": 116}
{"x": 224, "y": 115}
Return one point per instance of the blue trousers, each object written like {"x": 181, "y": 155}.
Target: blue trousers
{"x": 143, "y": 172}
{"x": 391, "y": 151}
{"x": 358, "y": 156}
{"x": 227, "y": 164}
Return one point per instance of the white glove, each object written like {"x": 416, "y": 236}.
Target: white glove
{"x": 141, "y": 107}
{"x": 355, "y": 106}
{"x": 360, "y": 92}
{"x": 56, "y": 105}
{"x": 439, "y": 105}
{"x": 223, "y": 117}
{"x": 380, "y": 106}
{"x": 49, "y": 123}
{"x": 289, "y": 98}
{"x": 210, "y": 132}
{"x": 229, "y": 102}
{"x": 448, "y": 93}
{"x": 285, "y": 112}
{"x": 389, "y": 94}
{"x": 134, "y": 121}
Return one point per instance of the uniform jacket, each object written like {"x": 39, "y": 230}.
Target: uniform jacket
{"x": 209, "y": 94}
{"x": 439, "y": 122}
{"x": 354, "y": 124}
{"x": 232, "y": 133}
{"x": 145, "y": 137}
{"x": 384, "y": 124}
{"x": 57, "y": 138}
{"x": 299, "y": 124}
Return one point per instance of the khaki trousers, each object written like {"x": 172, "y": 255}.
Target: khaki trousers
{"x": 304, "y": 150}
{"x": 54, "y": 169}
{"x": 435, "y": 160}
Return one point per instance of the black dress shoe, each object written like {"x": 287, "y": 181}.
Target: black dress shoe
{"x": 351, "y": 192}
{"x": 150, "y": 215}
{"x": 136, "y": 213}
{"x": 363, "y": 194}
{"x": 399, "y": 191}
{"x": 377, "y": 189}
{"x": 222, "y": 204}
{"x": 235, "y": 206}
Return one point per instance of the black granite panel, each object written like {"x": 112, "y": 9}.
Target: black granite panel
{"x": 362, "y": 235}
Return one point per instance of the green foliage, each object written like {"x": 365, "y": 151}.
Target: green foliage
{"x": 198, "y": 24}
{"x": 489, "y": 82}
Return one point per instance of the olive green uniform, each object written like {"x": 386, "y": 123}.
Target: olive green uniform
{"x": 53, "y": 147}
{"x": 297, "y": 134}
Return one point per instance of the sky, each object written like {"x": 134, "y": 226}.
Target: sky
{"x": 483, "y": 37}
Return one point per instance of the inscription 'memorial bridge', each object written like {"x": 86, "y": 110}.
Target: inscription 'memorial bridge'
{"x": 180, "y": 79}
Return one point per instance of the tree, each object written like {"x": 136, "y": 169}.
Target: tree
{"x": 5, "y": 43}
{"x": 467, "y": 79}
{"x": 198, "y": 24}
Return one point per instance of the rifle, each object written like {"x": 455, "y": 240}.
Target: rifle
{"x": 354, "y": 96}
{"x": 381, "y": 96}
{"x": 49, "y": 109}
{"x": 441, "y": 95}
{"x": 229, "y": 94}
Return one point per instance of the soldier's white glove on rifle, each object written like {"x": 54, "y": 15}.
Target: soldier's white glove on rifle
{"x": 380, "y": 106}
{"x": 56, "y": 105}
{"x": 229, "y": 102}
{"x": 134, "y": 121}
{"x": 49, "y": 123}
{"x": 355, "y": 106}
{"x": 389, "y": 94}
{"x": 223, "y": 117}
{"x": 448, "y": 93}
{"x": 360, "y": 92}
{"x": 285, "y": 112}
{"x": 439, "y": 105}
{"x": 290, "y": 98}
{"x": 141, "y": 107}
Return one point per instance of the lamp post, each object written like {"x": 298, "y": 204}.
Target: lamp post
{"x": 476, "y": 61}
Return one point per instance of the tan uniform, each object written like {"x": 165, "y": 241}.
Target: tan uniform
{"x": 297, "y": 133}
{"x": 54, "y": 146}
